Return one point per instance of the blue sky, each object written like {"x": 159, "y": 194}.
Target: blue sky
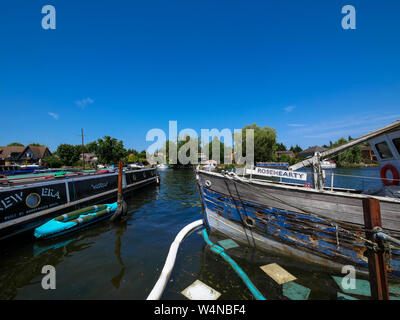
{"x": 121, "y": 68}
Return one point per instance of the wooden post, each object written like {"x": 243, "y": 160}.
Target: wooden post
{"x": 83, "y": 151}
{"x": 120, "y": 168}
{"x": 376, "y": 260}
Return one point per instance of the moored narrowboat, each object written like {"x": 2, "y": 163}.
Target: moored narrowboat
{"x": 26, "y": 204}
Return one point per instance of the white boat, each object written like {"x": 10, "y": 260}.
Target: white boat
{"x": 135, "y": 166}
{"x": 163, "y": 166}
{"x": 328, "y": 164}
{"x": 210, "y": 165}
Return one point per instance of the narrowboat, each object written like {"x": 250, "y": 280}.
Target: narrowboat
{"x": 280, "y": 211}
{"x": 28, "y": 202}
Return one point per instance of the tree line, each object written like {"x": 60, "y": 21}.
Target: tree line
{"x": 110, "y": 150}
{"x": 266, "y": 146}
{"x": 107, "y": 149}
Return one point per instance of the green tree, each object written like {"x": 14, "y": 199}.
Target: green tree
{"x": 221, "y": 156}
{"x": 285, "y": 158}
{"x": 91, "y": 147}
{"x": 264, "y": 143}
{"x": 296, "y": 149}
{"x": 110, "y": 150}
{"x": 53, "y": 162}
{"x": 15, "y": 144}
{"x": 166, "y": 150}
{"x": 132, "y": 158}
{"x": 281, "y": 147}
{"x": 186, "y": 142}
{"x": 349, "y": 156}
{"x": 68, "y": 154}
{"x": 132, "y": 151}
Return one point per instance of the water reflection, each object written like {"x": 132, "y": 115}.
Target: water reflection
{"x": 116, "y": 281}
{"x": 23, "y": 258}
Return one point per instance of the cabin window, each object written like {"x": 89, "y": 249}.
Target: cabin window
{"x": 383, "y": 150}
{"x": 396, "y": 143}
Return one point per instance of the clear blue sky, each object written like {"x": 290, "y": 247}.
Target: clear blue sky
{"x": 121, "y": 68}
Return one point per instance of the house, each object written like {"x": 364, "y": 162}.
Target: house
{"x": 9, "y": 154}
{"x": 289, "y": 153}
{"x": 89, "y": 158}
{"x": 33, "y": 154}
{"x": 310, "y": 152}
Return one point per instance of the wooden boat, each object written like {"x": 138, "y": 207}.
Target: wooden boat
{"x": 74, "y": 220}
{"x": 307, "y": 221}
{"x": 27, "y": 203}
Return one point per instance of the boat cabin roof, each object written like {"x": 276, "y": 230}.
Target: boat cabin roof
{"x": 385, "y": 143}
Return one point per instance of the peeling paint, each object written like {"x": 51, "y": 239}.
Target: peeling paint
{"x": 316, "y": 235}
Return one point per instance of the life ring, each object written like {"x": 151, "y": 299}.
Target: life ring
{"x": 395, "y": 174}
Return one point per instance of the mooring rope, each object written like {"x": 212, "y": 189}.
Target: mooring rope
{"x": 240, "y": 215}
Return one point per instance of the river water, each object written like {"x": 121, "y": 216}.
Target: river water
{"x": 123, "y": 260}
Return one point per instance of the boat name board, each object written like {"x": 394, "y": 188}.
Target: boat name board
{"x": 18, "y": 203}
{"x": 278, "y": 173}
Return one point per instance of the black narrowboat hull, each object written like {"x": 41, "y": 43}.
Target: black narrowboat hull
{"x": 25, "y": 207}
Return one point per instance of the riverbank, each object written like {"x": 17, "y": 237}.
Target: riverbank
{"x": 358, "y": 165}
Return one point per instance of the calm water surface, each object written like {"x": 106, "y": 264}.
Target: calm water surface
{"x": 123, "y": 260}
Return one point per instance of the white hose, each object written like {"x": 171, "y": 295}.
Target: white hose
{"x": 159, "y": 287}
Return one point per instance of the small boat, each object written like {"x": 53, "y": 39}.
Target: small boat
{"x": 210, "y": 165}
{"x": 328, "y": 164}
{"x": 163, "y": 166}
{"x": 75, "y": 220}
{"x": 136, "y": 165}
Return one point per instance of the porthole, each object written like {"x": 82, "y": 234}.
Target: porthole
{"x": 208, "y": 183}
{"x": 33, "y": 200}
{"x": 249, "y": 222}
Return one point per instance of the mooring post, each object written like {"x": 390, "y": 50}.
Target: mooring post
{"x": 376, "y": 260}
{"x": 120, "y": 194}
{"x": 122, "y": 208}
